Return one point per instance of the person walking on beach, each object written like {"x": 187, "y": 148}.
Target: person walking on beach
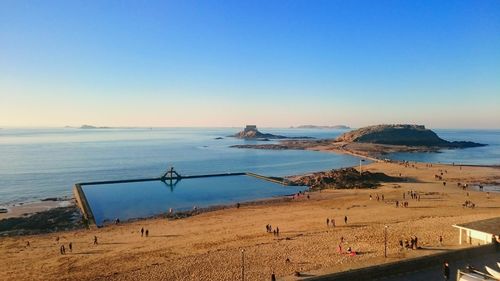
{"x": 327, "y": 222}
{"x": 70, "y": 246}
{"x": 277, "y": 231}
{"x": 147, "y": 232}
{"x": 345, "y": 219}
{"x": 273, "y": 277}
{"x": 446, "y": 271}
{"x": 142, "y": 232}
{"x": 95, "y": 240}
{"x": 440, "y": 240}
{"x": 62, "y": 250}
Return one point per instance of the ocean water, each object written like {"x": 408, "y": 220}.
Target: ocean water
{"x": 145, "y": 199}
{"x": 486, "y": 155}
{"x": 41, "y": 163}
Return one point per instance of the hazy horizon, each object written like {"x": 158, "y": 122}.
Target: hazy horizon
{"x": 273, "y": 64}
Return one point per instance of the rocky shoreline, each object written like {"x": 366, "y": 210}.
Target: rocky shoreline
{"x": 373, "y": 142}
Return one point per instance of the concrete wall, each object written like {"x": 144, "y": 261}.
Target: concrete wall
{"x": 405, "y": 266}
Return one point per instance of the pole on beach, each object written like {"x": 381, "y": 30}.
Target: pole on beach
{"x": 242, "y": 265}
{"x": 385, "y": 241}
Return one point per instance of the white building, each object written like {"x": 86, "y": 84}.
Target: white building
{"x": 479, "y": 232}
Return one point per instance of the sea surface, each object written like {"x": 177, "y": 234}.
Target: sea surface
{"x": 41, "y": 163}
{"x": 486, "y": 155}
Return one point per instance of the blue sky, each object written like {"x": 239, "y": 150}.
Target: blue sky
{"x": 228, "y": 63}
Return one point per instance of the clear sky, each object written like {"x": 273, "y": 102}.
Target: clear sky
{"x": 270, "y": 63}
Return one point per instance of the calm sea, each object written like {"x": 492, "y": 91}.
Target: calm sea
{"x": 41, "y": 163}
{"x": 486, "y": 155}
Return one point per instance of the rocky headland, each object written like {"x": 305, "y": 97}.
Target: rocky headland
{"x": 375, "y": 141}
{"x": 408, "y": 135}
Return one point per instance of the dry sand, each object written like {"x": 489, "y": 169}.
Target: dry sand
{"x": 208, "y": 246}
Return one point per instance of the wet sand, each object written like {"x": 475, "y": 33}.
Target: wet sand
{"x": 208, "y": 246}
{"x": 20, "y": 210}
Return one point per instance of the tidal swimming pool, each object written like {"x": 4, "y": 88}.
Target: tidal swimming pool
{"x": 144, "y": 199}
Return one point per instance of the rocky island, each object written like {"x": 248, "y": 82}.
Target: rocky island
{"x": 409, "y": 135}
{"x": 251, "y": 133}
{"x": 93, "y": 127}
{"x": 375, "y": 141}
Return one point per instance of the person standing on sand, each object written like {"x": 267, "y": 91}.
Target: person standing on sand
{"x": 273, "y": 277}
{"x": 142, "y": 232}
{"x": 440, "y": 240}
{"x": 446, "y": 271}
{"x": 327, "y": 222}
{"x": 95, "y": 240}
{"x": 277, "y": 231}
{"x": 147, "y": 232}
{"x": 70, "y": 246}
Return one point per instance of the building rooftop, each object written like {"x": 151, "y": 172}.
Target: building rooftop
{"x": 491, "y": 226}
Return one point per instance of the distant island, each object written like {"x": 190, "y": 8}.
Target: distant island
{"x": 409, "y": 135}
{"x": 93, "y": 127}
{"x": 336, "y": 127}
{"x": 251, "y": 133}
{"x": 374, "y": 141}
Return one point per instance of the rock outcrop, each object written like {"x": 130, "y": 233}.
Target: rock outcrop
{"x": 251, "y": 132}
{"x": 408, "y": 135}
{"x": 343, "y": 178}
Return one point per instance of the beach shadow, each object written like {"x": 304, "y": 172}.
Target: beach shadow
{"x": 364, "y": 252}
{"x": 441, "y": 249}
{"x": 89, "y": 252}
{"x": 355, "y": 225}
{"x": 306, "y": 275}
{"x": 165, "y": 236}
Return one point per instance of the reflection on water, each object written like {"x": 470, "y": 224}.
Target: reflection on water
{"x": 144, "y": 199}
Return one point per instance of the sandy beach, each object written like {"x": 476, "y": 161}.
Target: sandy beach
{"x": 208, "y": 246}
{"x": 19, "y": 210}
